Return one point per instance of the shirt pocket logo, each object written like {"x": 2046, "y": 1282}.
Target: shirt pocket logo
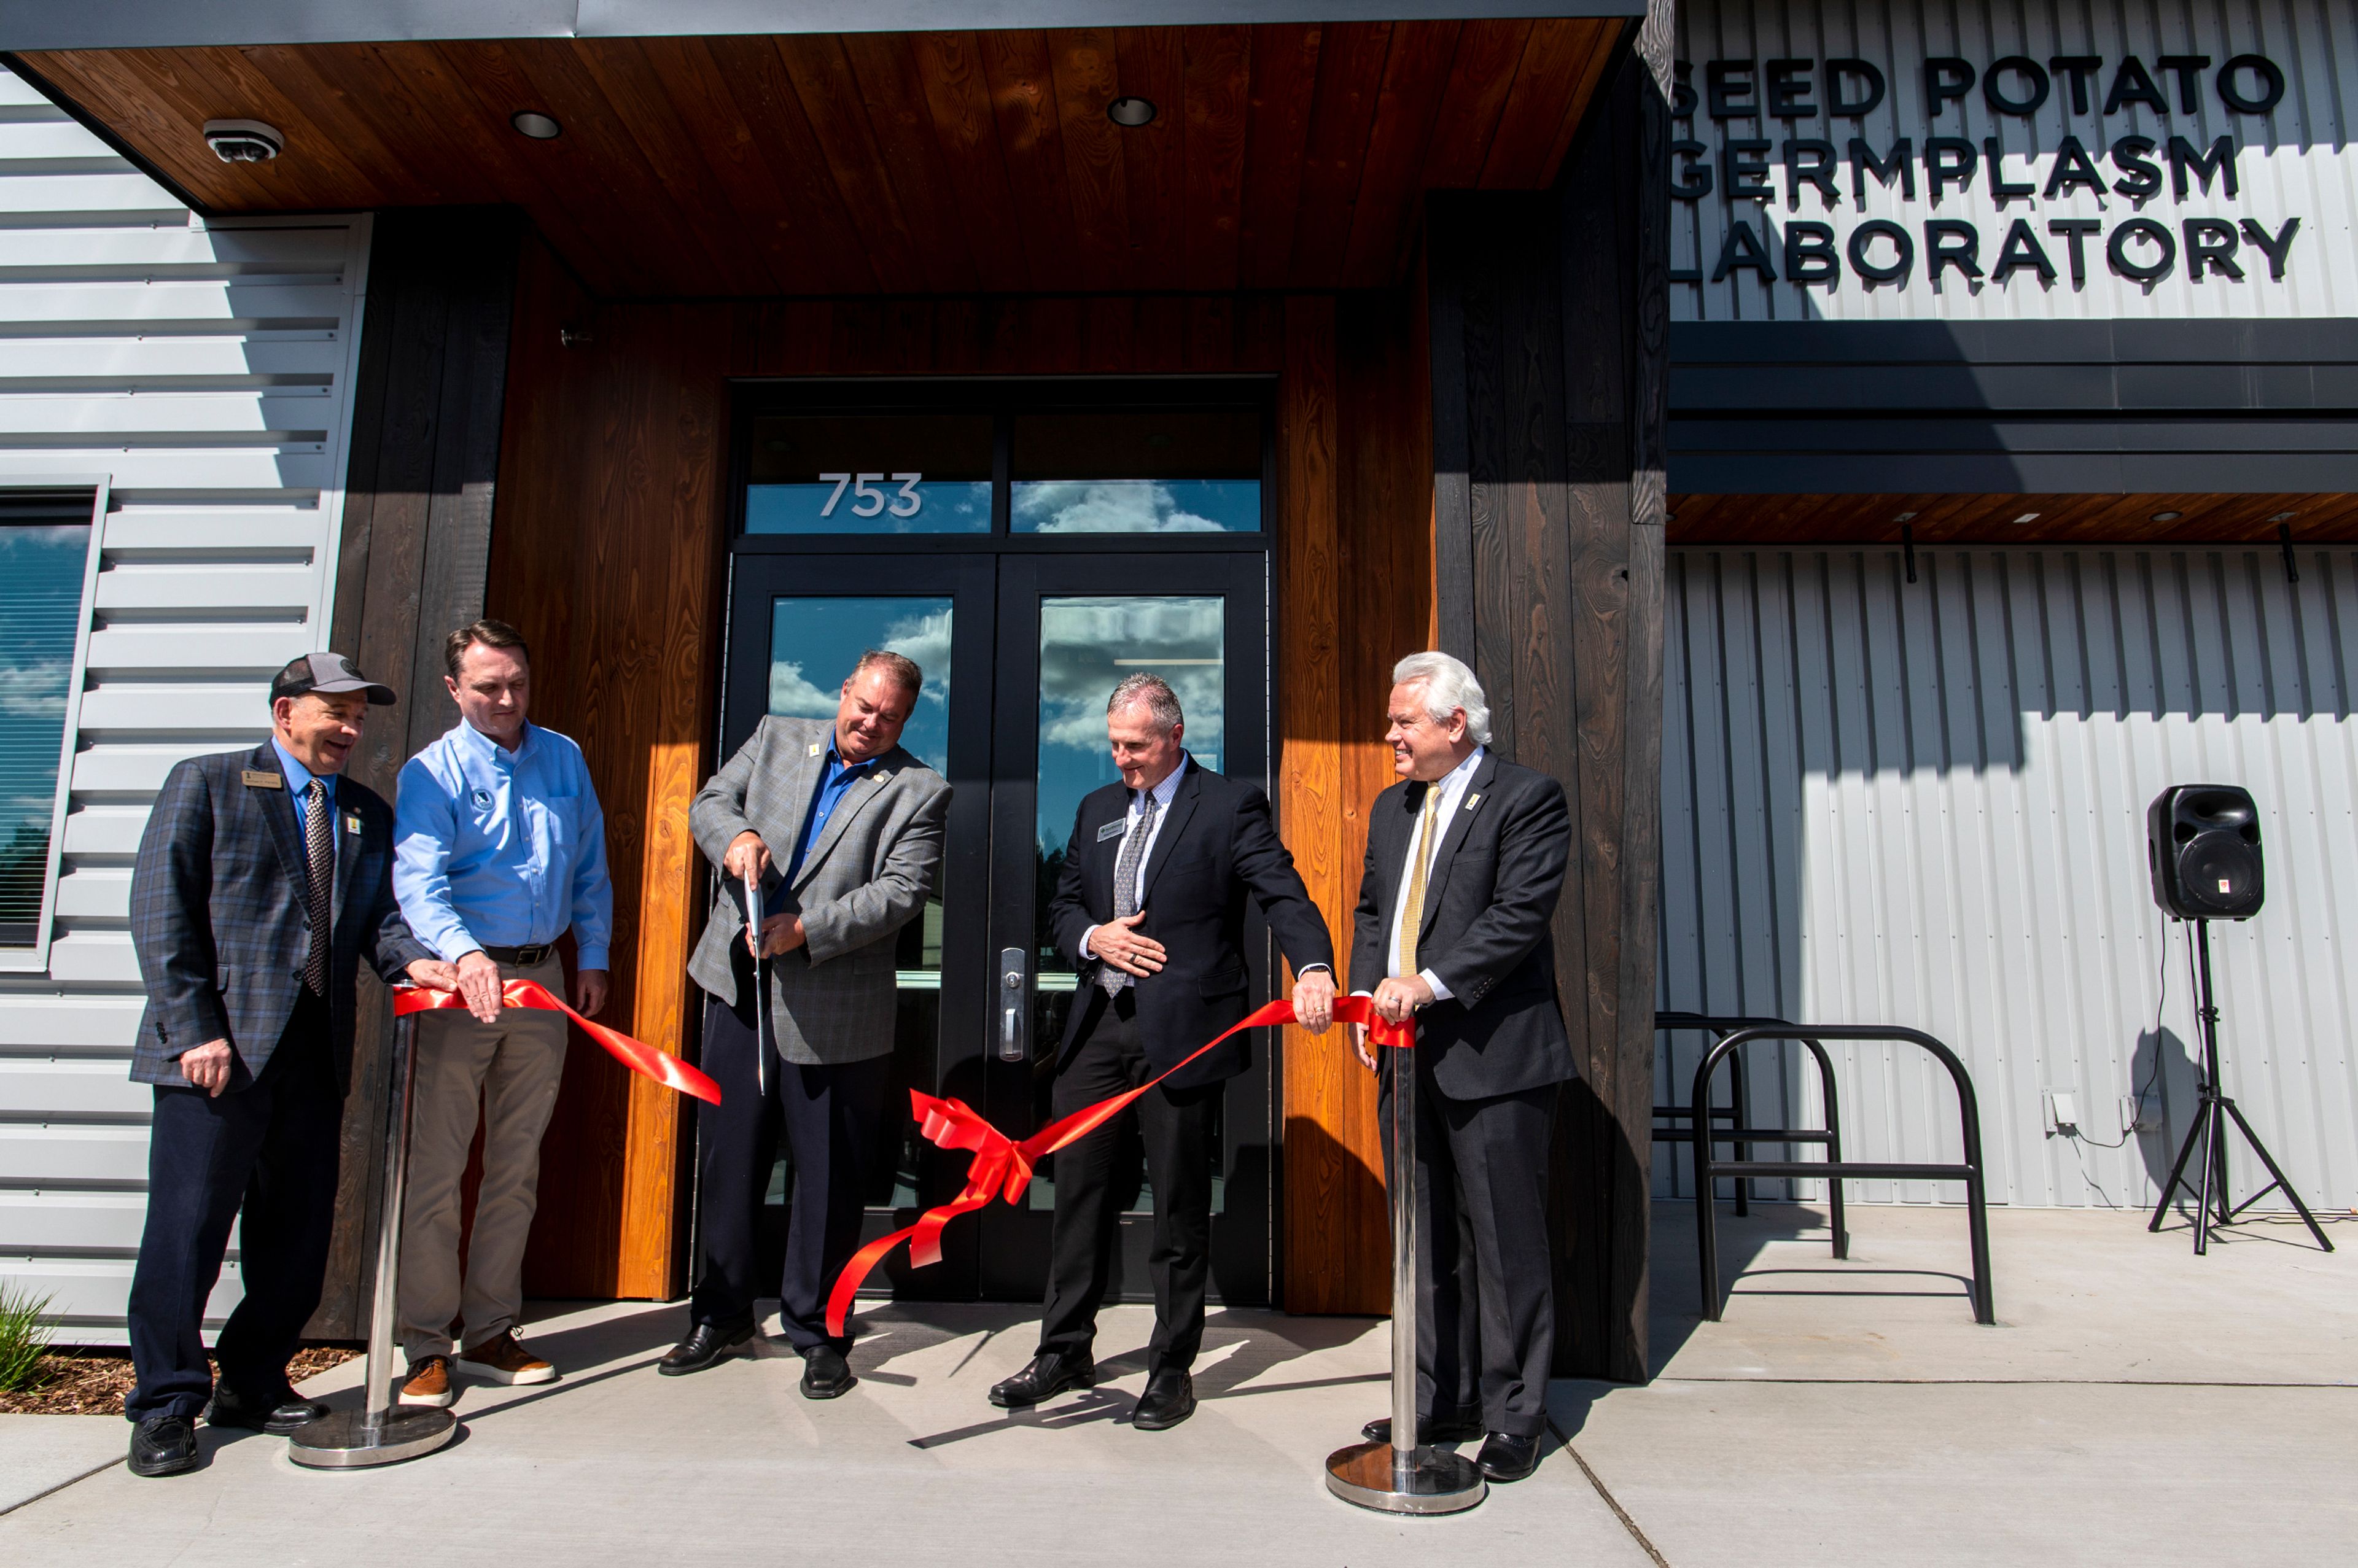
{"x": 480, "y": 799}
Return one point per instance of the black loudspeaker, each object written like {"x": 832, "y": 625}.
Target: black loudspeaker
{"x": 2202, "y": 842}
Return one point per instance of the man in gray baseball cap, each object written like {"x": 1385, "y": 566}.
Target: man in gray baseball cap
{"x": 329, "y": 675}
{"x": 264, "y": 879}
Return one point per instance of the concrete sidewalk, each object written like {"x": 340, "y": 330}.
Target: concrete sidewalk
{"x": 2135, "y": 1405}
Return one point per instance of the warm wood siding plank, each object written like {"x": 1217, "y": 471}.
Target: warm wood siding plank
{"x": 1024, "y": 105}
{"x": 1084, "y": 73}
{"x": 1481, "y": 71}
{"x": 1342, "y": 114}
{"x": 1217, "y": 108}
{"x": 1277, "y": 136}
{"x": 1309, "y": 795}
{"x": 958, "y": 99}
{"x": 1389, "y": 198}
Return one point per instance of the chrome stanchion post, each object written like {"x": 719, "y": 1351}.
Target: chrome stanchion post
{"x": 380, "y": 1433}
{"x": 1403, "y": 1476}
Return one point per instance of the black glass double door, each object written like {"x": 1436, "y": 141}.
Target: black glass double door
{"x": 1019, "y": 651}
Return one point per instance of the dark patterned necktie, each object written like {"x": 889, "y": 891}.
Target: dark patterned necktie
{"x": 320, "y": 856}
{"x": 1125, "y": 885}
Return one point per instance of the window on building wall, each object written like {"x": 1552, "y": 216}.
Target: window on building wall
{"x": 45, "y": 539}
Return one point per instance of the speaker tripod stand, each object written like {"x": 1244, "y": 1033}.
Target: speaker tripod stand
{"x": 2212, "y": 1111}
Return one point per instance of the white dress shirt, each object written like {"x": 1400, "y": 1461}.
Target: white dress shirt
{"x": 1162, "y": 794}
{"x": 1451, "y": 785}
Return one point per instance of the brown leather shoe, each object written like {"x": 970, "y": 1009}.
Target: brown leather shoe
{"x": 429, "y": 1383}
{"x": 503, "y": 1358}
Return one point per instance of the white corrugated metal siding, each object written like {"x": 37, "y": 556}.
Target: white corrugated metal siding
{"x": 1923, "y": 803}
{"x": 205, "y": 373}
{"x": 2291, "y": 162}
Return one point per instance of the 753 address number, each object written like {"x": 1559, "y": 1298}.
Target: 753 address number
{"x": 870, "y": 499}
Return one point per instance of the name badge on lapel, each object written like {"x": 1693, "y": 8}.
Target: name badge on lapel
{"x": 1110, "y": 830}
{"x": 261, "y": 778}
{"x": 1472, "y": 801}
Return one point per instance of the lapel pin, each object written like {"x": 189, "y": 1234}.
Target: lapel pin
{"x": 815, "y": 749}
{"x": 352, "y": 822}
{"x": 1472, "y": 801}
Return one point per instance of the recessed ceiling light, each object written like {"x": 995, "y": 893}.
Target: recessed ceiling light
{"x": 2027, "y": 517}
{"x": 2168, "y": 516}
{"x": 1130, "y": 112}
{"x": 244, "y": 141}
{"x": 532, "y": 122}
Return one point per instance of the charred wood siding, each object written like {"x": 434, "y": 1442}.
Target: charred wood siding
{"x": 1547, "y": 313}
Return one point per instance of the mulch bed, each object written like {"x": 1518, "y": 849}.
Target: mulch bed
{"x": 93, "y": 1382}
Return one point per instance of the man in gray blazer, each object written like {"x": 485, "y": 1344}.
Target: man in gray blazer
{"x": 842, "y": 829}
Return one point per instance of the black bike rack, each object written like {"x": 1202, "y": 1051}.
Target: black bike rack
{"x": 1739, "y": 1108}
{"x": 1834, "y": 1169}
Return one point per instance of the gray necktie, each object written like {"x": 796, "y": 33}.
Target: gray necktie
{"x": 1125, "y": 885}
{"x": 319, "y": 858}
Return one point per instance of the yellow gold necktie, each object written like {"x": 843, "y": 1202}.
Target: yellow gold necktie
{"x": 1412, "y": 902}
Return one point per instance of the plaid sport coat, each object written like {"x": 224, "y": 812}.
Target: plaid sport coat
{"x": 833, "y": 998}
{"x": 218, "y": 916}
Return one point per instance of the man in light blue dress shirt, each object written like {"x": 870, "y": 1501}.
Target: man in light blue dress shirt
{"x": 500, "y": 846}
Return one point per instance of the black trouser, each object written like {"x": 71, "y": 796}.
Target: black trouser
{"x": 1106, "y": 1057}
{"x": 262, "y": 1154}
{"x": 830, "y": 1116}
{"x": 1485, "y": 1300}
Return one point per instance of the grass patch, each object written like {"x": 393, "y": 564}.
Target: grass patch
{"x": 23, "y": 1338}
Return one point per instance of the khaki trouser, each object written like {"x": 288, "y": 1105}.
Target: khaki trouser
{"x": 509, "y": 1071}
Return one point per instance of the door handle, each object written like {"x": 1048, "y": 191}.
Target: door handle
{"x": 1014, "y": 1029}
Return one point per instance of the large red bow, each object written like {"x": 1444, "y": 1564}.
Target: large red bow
{"x": 1002, "y": 1167}
{"x": 636, "y": 1054}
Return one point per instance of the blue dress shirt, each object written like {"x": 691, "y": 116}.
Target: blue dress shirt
{"x": 835, "y": 783}
{"x": 299, "y": 786}
{"x": 501, "y": 848}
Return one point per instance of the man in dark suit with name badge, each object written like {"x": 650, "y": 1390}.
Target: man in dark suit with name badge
{"x": 1465, "y": 860}
{"x": 262, "y": 880}
{"x": 1150, "y": 909}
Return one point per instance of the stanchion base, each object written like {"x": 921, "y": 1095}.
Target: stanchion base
{"x": 342, "y": 1440}
{"x": 1424, "y": 1481}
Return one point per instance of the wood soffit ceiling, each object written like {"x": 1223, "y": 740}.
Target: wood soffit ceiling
{"x": 1281, "y": 156}
{"x": 1992, "y": 520}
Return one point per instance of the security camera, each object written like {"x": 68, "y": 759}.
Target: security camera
{"x": 244, "y": 141}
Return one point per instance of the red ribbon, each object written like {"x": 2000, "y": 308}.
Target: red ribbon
{"x": 636, "y": 1054}
{"x": 1002, "y": 1167}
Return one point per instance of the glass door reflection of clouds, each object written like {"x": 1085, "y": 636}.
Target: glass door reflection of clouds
{"x": 1087, "y": 646}
{"x": 815, "y": 642}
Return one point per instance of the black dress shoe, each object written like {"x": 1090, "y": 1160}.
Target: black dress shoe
{"x": 825, "y": 1374}
{"x": 1170, "y": 1398}
{"x": 1049, "y": 1374}
{"x": 705, "y": 1346}
{"x": 278, "y": 1418}
{"x": 163, "y": 1445}
{"x": 1430, "y": 1430}
{"x": 1506, "y": 1457}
